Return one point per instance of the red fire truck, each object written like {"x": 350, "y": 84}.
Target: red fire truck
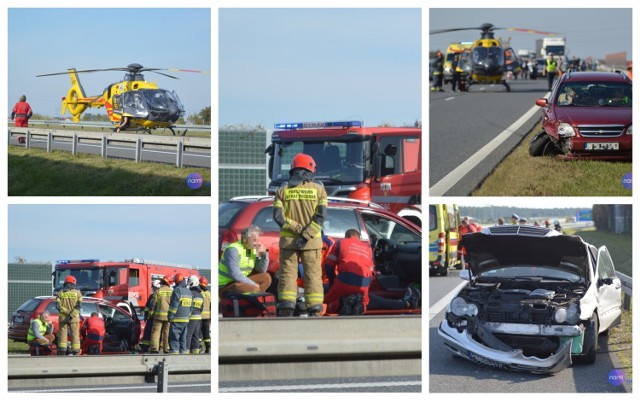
{"x": 127, "y": 282}
{"x": 382, "y": 165}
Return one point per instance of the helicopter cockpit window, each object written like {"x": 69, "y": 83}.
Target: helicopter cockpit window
{"x": 134, "y": 104}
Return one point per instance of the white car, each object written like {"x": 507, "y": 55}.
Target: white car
{"x": 536, "y": 300}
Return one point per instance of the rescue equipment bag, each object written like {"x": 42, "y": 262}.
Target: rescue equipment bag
{"x": 259, "y": 304}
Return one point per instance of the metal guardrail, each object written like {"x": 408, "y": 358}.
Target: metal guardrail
{"x": 292, "y": 348}
{"x": 106, "y": 125}
{"x": 627, "y": 282}
{"x": 28, "y": 372}
{"x": 104, "y": 140}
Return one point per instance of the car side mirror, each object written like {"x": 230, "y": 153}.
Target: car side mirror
{"x": 542, "y": 102}
{"x": 465, "y": 275}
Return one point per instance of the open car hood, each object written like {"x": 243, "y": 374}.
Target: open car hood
{"x": 487, "y": 251}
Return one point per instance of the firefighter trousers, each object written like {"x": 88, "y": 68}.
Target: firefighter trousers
{"x": 65, "y": 329}
{"x": 206, "y": 335}
{"x": 287, "y": 286}
{"x": 193, "y": 335}
{"x": 178, "y": 338}
{"x": 145, "y": 345}
{"x": 160, "y": 328}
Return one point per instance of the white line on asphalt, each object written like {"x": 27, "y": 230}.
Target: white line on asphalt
{"x": 298, "y": 388}
{"x": 108, "y": 388}
{"x": 442, "y": 303}
{"x": 449, "y": 181}
{"x": 449, "y": 98}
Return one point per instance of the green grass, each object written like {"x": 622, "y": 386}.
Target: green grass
{"x": 17, "y": 347}
{"x": 35, "y": 172}
{"x": 620, "y": 342}
{"x": 619, "y": 246}
{"x": 550, "y": 176}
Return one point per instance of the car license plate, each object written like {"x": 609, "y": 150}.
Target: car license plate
{"x": 601, "y": 146}
{"x": 18, "y": 320}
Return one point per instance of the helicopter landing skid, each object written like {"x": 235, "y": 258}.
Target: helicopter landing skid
{"x": 143, "y": 130}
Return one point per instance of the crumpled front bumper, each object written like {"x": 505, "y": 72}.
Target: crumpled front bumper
{"x": 463, "y": 345}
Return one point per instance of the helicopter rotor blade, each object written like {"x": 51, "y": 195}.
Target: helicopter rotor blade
{"x": 534, "y": 31}
{"x": 438, "y": 31}
{"x": 162, "y": 73}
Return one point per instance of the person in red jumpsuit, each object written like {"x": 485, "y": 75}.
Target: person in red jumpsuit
{"x": 93, "y": 331}
{"x": 349, "y": 266}
{"x": 21, "y": 112}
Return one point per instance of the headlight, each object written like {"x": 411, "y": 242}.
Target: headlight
{"x": 570, "y": 315}
{"x": 630, "y": 130}
{"x": 566, "y": 130}
{"x": 460, "y": 307}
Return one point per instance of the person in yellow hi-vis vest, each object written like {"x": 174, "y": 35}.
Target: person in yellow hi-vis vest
{"x": 552, "y": 70}
{"x": 300, "y": 208}
{"x": 69, "y": 301}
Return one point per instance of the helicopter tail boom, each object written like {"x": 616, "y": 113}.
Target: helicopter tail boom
{"x": 76, "y": 101}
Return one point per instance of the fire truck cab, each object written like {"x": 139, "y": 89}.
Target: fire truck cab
{"x": 377, "y": 164}
{"x": 126, "y": 282}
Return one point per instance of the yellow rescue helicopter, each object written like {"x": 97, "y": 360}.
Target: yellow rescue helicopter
{"x": 489, "y": 59}
{"x": 132, "y": 103}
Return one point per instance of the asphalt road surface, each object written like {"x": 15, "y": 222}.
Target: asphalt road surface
{"x": 453, "y": 375}
{"x": 182, "y": 387}
{"x": 358, "y": 385}
{"x": 480, "y": 128}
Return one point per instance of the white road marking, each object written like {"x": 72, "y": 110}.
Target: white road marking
{"x": 449, "y": 181}
{"x": 443, "y": 302}
{"x": 449, "y": 98}
{"x": 298, "y": 388}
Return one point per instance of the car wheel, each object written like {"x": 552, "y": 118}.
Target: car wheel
{"x": 541, "y": 145}
{"x": 445, "y": 271}
{"x": 590, "y": 342}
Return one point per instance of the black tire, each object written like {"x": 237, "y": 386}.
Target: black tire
{"x": 590, "y": 345}
{"x": 445, "y": 271}
{"x": 542, "y": 145}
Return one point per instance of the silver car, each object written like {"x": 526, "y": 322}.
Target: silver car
{"x": 536, "y": 300}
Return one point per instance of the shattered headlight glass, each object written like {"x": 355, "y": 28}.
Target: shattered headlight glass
{"x": 460, "y": 307}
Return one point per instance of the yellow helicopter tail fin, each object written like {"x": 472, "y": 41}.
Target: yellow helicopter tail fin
{"x": 76, "y": 100}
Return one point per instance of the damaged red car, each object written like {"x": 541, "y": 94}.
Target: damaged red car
{"x": 587, "y": 116}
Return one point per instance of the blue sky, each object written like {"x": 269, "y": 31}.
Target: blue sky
{"x": 172, "y": 233}
{"x": 51, "y": 40}
{"x": 279, "y": 65}
{"x": 589, "y": 31}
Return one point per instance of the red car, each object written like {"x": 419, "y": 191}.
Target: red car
{"x": 122, "y": 329}
{"x": 588, "y": 116}
{"x": 396, "y": 242}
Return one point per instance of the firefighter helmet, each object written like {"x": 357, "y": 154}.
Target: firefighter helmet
{"x": 304, "y": 161}
{"x": 70, "y": 279}
{"x": 156, "y": 283}
{"x": 204, "y": 281}
{"x": 193, "y": 281}
{"x": 178, "y": 278}
{"x": 168, "y": 279}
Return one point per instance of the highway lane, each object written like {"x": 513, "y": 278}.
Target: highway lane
{"x": 461, "y": 124}
{"x": 448, "y": 374}
{"x": 364, "y": 384}
{"x": 182, "y": 387}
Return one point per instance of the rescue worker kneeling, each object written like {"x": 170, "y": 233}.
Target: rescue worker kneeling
{"x": 179, "y": 314}
{"x": 93, "y": 331}
{"x": 40, "y": 334}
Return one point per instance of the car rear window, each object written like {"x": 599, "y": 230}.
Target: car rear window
{"x": 51, "y": 308}
{"x": 227, "y": 211}
{"x": 264, "y": 220}
{"x": 339, "y": 220}
{"x": 29, "y": 305}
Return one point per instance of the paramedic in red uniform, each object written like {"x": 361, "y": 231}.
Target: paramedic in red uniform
{"x": 93, "y": 331}
{"x": 352, "y": 260}
{"x": 21, "y": 112}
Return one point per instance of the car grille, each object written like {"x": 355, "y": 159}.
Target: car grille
{"x": 600, "y": 130}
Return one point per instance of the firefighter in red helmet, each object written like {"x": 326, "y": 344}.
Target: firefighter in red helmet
{"x": 21, "y": 112}
{"x": 68, "y": 302}
{"x": 300, "y": 208}
{"x": 160, "y": 328}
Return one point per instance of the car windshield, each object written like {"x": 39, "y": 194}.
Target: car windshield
{"x": 594, "y": 94}
{"x": 338, "y": 162}
{"x": 529, "y": 272}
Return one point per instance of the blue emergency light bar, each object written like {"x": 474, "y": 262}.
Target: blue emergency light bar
{"x": 76, "y": 261}
{"x": 317, "y": 125}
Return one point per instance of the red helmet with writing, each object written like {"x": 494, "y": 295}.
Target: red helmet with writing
{"x": 178, "y": 278}
{"x": 168, "y": 279}
{"x": 304, "y": 161}
{"x": 204, "y": 281}
{"x": 70, "y": 279}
